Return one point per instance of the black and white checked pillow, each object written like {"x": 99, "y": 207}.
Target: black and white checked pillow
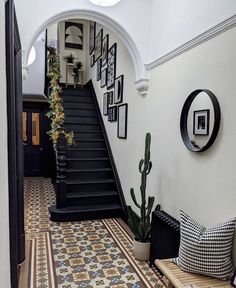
{"x": 206, "y": 251}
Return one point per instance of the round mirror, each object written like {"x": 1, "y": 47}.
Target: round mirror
{"x": 200, "y": 120}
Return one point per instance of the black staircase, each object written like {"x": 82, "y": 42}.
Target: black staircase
{"x": 87, "y": 184}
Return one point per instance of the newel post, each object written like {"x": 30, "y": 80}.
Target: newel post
{"x": 61, "y": 173}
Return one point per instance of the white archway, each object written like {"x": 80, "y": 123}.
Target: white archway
{"x": 140, "y": 70}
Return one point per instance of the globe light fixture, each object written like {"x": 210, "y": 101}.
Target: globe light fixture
{"x": 104, "y": 2}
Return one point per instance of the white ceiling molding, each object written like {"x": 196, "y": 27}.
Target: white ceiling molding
{"x": 140, "y": 70}
{"x": 207, "y": 35}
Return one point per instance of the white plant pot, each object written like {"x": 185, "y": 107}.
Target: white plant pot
{"x": 141, "y": 250}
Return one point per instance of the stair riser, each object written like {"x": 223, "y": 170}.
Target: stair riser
{"x": 88, "y": 164}
{"x": 83, "y": 127}
{"x": 89, "y": 175}
{"x": 78, "y": 105}
{"x": 89, "y": 135}
{"x": 77, "y": 98}
{"x": 81, "y": 144}
{"x": 86, "y": 154}
{"x": 79, "y": 112}
{"x": 75, "y": 188}
{"x": 92, "y": 201}
{"x": 72, "y": 92}
{"x": 68, "y": 217}
{"x": 74, "y": 120}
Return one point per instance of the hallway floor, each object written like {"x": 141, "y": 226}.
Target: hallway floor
{"x": 95, "y": 253}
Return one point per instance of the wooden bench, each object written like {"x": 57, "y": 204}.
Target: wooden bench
{"x": 179, "y": 279}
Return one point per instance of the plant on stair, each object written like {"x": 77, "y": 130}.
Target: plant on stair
{"x": 56, "y": 112}
{"x": 69, "y": 58}
{"x": 141, "y": 225}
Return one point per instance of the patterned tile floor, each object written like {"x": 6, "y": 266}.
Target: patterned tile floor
{"x": 84, "y": 254}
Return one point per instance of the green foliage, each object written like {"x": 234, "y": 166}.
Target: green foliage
{"x": 56, "y": 112}
{"x": 141, "y": 225}
{"x": 69, "y": 58}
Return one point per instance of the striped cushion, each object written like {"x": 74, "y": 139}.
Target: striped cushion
{"x": 206, "y": 251}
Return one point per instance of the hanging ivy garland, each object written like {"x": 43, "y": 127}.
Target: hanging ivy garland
{"x": 56, "y": 112}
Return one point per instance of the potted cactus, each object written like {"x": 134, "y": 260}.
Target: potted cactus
{"x": 141, "y": 224}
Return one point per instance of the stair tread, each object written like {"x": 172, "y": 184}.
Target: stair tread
{"x": 85, "y": 149}
{"x": 73, "y": 195}
{"x": 106, "y": 180}
{"x": 82, "y": 123}
{"x": 89, "y": 139}
{"x": 87, "y": 208}
{"x": 88, "y": 170}
{"x": 82, "y": 116}
{"x": 80, "y": 108}
{"x": 87, "y": 159}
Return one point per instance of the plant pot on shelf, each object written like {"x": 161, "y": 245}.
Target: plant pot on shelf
{"x": 141, "y": 250}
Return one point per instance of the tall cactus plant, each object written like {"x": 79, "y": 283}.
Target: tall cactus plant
{"x": 141, "y": 226}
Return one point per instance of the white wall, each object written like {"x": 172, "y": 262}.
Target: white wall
{"x": 34, "y": 84}
{"x": 173, "y": 23}
{"x": 202, "y": 184}
{"x": 80, "y": 54}
{"x": 4, "y": 209}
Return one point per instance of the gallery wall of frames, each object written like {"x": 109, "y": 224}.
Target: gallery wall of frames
{"x": 103, "y": 58}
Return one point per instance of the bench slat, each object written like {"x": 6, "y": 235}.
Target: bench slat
{"x": 180, "y": 279}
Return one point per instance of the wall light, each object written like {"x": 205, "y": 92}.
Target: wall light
{"x": 104, "y": 2}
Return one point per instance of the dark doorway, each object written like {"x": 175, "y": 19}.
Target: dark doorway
{"x": 33, "y": 132}
{"x": 37, "y": 147}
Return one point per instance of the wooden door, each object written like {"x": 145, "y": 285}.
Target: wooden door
{"x": 33, "y": 141}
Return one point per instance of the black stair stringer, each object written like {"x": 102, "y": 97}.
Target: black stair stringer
{"x": 89, "y": 85}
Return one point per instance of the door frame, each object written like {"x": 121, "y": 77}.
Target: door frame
{"x": 15, "y": 145}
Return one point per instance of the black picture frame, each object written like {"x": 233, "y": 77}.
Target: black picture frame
{"x": 92, "y": 34}
{"x": 98, "y": 45}
{"x": 110, "y": 98}
{"x": 105, "y": 104}
{"x": 184, "y": 120}
{"x": 112, "y": 113}
{"x": 71, "y": 41}
{"x": 122, "y": 121}
{"x": 111, "y": 66}
{"x": 201, "y": 119}
{"x": 118, "y": 89}
{"x": 99, "y": 67}
{"x": 105, "y": 46}
{"x": 233, "y": 279}
{"x": 104, "y": 78}
{"x": 92, "y": 61}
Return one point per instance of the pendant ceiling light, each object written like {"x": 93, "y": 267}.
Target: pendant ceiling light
{"x": 104, "y": 2}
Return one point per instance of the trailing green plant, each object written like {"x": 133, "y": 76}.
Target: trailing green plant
{"x": 69, "y": 58}
{"x": 141, "y": 225}
{"x": 56, "y": 111}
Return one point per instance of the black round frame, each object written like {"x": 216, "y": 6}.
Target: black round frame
{"x": 184, "y": 117}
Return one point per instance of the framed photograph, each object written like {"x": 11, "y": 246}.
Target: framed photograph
{"x": 111, "y": 66}
{"x": 118, "y": 90}
{"x": 92, "y": 33}
{"x": 92, "y": 61}
{"x": 73, "y": 35}
{"x": 110, "y": 98}
{"x": 104, "y": 78}
{"x": 105, "y": 103}
{"x": 201, "y": 119}
{"x": 233, "y": 279}
{"x": 112, "y": 114}
{"x": 99, "y": 67}
{"x": 98, "y": 45}
{"x": 105, "y": 46}
{"x": 122, "y": 121}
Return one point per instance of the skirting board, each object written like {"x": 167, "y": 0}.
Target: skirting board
{"x": 207, "y": 35}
